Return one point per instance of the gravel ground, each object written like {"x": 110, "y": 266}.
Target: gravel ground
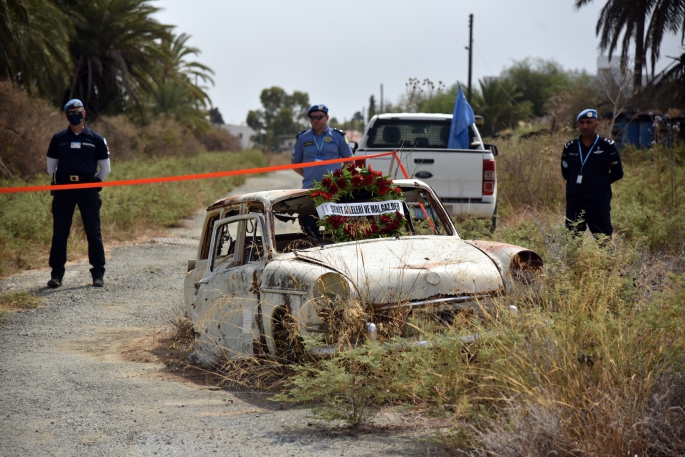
{"x": 84, "y": 374}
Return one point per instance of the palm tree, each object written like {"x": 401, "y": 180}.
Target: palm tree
{"x": 34, "y": 46}
{"x": 115, "y": 51}
{"x": 497, "y": 101}
{"x": 667, "y": 16}
{"x": 627, "y": 17}
{"x": 175, "y": 90}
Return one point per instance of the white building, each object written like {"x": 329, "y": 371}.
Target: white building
{"x": 243, "y": 132}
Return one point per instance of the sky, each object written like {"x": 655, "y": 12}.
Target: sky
{"x": 341, "y": 52}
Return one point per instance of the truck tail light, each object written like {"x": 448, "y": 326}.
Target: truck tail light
{"x": 489, "y": 176}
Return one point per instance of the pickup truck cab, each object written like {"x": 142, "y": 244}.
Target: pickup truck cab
{"x": 465, "y": 180}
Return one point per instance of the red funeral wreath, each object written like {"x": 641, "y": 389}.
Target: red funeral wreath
{"x": 354, "y": 183}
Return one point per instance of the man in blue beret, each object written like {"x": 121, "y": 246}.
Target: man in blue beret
{"x": 74, "y": 156}
{"x": 316, "y": 144}
{"x": 590, "y": 164}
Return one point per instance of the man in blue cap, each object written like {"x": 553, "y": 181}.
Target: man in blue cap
{"x": 590, "y": 164}
{"x": 316, "y": 144}
{"x": 74, "y": 156}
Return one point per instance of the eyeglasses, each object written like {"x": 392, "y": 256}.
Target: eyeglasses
{"x": 317, "y": 118}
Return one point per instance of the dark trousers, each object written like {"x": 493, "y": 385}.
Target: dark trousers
{"x": 63, "y": 204}
{"x": 595, "y": 215}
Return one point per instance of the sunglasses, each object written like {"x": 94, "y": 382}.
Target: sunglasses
{"x": 317, "y": 118}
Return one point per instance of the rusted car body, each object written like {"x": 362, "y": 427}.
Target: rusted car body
{"x": 258, "y": 280}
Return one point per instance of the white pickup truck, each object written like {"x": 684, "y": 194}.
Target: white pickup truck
{"x": 464, "y": 179}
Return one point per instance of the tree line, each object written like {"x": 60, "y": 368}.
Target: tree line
{"x": 111, "y": 54}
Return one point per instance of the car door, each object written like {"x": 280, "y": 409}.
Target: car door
{"x": 226, "y": 303}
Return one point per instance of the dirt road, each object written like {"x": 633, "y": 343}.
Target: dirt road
{"x": 84, "y": 374}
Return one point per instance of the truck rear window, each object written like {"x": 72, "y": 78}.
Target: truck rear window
{"x": 408, "y": 134}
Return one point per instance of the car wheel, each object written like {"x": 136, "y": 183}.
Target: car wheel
{"x": 288, "y": 343}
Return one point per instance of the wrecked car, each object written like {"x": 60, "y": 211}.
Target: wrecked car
{"x": 259, "y": 284}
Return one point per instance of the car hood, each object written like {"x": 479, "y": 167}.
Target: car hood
{"x": 408, "y": 269}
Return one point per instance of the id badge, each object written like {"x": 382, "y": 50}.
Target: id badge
{"x": 75, "y": 145}
{"x": 579, "y": 179}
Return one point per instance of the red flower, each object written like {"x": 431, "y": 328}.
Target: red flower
{"x": 397, "y": 190}
{"x": 337, "y": 173}
{"x": 333, "y": 188}
{"x": 383, "y": 190}
{"x": 352, "y": 169}
{"x": 342, "y": 183}
{"x": 326, "y": 182}
{"x": 328, "y": 197}
{"x": 376, "y": 173}
{"x": 385, "y": 218}
{"x": 336, "y": 221}
{"x": 357, "y": 180}
{"x": 368, "y": 180}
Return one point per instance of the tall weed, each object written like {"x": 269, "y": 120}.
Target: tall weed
{"x": 579, "y": 370}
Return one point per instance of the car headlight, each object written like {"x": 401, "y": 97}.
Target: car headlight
{"x": 525, "y": 267}
{"x": 331, "y": 289}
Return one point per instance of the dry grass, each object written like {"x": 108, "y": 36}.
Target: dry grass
{"x": 16, "y": 301}
{"x": 26, "y": 127}
{"x": 19, "y": 300}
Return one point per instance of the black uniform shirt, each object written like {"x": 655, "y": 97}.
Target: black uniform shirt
{"x": 602, "y": 168}
{"x": 78, "y": 154}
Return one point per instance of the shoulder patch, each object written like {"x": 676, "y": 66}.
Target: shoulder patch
{"x": 300, "y": 133}
{"x": 339, "y": 131}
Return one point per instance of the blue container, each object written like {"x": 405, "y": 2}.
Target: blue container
{"x": 619, "y": 132}
{"x": 632, "y": 134}
{"x": 646, "y": 134}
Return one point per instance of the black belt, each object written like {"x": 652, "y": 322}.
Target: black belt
{"x": 63, "y": 178}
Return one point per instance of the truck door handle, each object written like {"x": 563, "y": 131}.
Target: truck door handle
{"x": 424, "y": 161}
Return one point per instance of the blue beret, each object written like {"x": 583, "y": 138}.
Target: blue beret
{"x": 323, "y": 108}
{"x": 75, "y": 103}
{"x": 587, "y": 114}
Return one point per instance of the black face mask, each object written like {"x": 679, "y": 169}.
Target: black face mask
{"x": 75, "y": 118}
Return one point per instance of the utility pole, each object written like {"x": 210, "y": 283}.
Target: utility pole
{"x": 470, "y": 48}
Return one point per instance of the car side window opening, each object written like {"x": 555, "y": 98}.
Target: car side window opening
{"x": 254, "y": 247}
{"x": 225, "y": 244}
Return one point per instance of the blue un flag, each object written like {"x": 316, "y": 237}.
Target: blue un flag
{"x": 462, "y": 118}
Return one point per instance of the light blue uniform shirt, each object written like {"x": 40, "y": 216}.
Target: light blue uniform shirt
{"x": 311, "y": 147}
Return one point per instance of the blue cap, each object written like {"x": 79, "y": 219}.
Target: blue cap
{"x": 323, "y": 108}
{"x": 587, "y": 114}
{"x": 74, "y": 103}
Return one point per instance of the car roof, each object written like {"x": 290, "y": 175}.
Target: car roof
{"x": 269, "y": 197}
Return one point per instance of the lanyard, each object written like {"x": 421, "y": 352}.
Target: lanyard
{"x": 319, "y": 148}
{"x": 580, "y": 152}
